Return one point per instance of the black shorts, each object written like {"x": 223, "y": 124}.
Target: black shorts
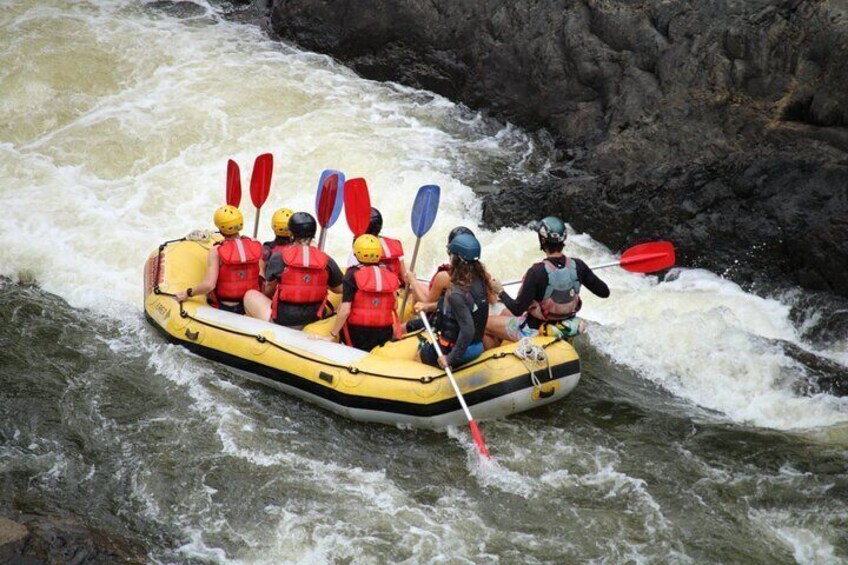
{"x": 293, "y": 315}
{"x": 367, "y": 338}
{"x": 234, "y": 308}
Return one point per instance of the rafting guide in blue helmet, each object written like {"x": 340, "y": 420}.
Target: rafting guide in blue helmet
{"x": 549, "y": 297}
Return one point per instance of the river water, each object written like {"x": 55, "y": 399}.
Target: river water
{"x": 688, "y": 439}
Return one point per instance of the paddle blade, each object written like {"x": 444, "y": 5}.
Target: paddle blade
{"x": 329, "y": 198}
{"x": 233, "y": 184}
{"x": 478, "y": 439}
{"x": 648, "y": 257}
{"x": 424, "y": 209}
{"x": 357, "y": 205}
{"x": 260, "y": 179}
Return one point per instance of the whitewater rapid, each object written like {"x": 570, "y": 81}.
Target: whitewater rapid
{"x": 116, "y": 124}
{"x": 105, "y": 155}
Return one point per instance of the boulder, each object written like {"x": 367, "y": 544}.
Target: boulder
{"x": 720, "y": 124}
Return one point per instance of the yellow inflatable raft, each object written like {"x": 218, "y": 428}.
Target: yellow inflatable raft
{"x": 385, "y": 385}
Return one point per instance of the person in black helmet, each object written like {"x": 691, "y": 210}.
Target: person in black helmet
{"x": 392, "y": 248}
{"x": 462, "y": 313}
{"x": 549, "y": 297}
{"x": 299, "y": 277}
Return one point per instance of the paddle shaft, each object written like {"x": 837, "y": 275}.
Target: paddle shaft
{"x": 475, "y": 432}
{"x": 322, "y": 238}
{"x": 409, "y": 283}
{"x": 256, "y": 224}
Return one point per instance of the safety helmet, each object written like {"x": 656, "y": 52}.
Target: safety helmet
{"x": 551, "y": 230}
{"x": 367, "y": 249}
{"x": 280, "y": 222}
{"x": 375, "y": 224}
{"x": 302, "y": 225}
{"x": 228, "y": 220}
{"x": 465, "y": 246}
{"x": 458, "y": 230}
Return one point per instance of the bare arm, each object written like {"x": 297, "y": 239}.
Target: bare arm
{"x": 341, "y": 317}
{"x": 209, "y": 280}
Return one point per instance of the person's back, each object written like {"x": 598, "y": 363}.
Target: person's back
{"x": 463, "y": 311}
{"x": 233, "y": 267}
{"x": 367, "y": 317}
{"x": 392, "y": 257}
{"x": 301, "y": 275}
{"x": 549, "y": 297}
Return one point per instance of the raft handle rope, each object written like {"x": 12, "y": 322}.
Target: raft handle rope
{"x": 532, "y": 355}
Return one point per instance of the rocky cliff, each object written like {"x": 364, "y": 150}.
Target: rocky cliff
{"x": 720, "y": 124}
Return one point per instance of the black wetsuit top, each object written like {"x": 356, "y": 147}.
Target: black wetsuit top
{"x": 536, "y": 282}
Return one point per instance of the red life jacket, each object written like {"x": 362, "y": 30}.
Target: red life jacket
{"x": 392, "y": 253}
{"x": 238, "y": 269}
{"x": 275, "y": 246}
{"x": 304, "y": 279}
{"x": 373, "y": 304}
{"x": 441, "y": 268}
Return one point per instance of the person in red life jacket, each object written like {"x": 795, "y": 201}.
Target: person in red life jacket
{"x": 463, "y": 310}
{"x": 392, "y": 248}
{"x": 299, "y": 277}
{"x": 549, "y": 298}
{"x": 233, "y": 267}
{"x": 367, "y": 316}
{"x": 280, "y": 225}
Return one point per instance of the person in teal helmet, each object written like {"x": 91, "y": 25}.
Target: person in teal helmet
{"x": 549, "y": 298}
{"x": 463, "y": 310}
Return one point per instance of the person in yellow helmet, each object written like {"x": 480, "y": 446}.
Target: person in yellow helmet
{"x": 280, "y": 225}
{"x": 234, "y": 265}
{"x": 366, "y": 317}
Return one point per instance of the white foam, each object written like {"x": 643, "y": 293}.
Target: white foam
{"x": 104, "y": 156}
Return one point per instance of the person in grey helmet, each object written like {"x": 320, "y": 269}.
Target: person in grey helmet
{"x": 463, "y": 310}
{"x": 549, "y": 297}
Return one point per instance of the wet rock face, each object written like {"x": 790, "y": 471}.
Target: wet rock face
{"x": 720, "y": 124}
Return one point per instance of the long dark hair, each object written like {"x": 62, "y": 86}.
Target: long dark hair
{"x": 463, "y": 274}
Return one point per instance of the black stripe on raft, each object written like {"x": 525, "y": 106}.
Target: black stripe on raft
{"x": 366, "y": 402}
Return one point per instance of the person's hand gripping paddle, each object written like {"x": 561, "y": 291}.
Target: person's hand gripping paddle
{"x": 260, "y": 184}
{"x": 424, "y": 211}
{"x": 328, "y": 201}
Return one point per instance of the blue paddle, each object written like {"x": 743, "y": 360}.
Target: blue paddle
{"x": 328, "y": 201}
{"x": 424, "y": 211}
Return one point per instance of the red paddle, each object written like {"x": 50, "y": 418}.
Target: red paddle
{"x": 328, "y": 201}
{"x": 233, "y": 184}
{"x": 643, "y": 258}
{"x": 260, "y": 184}
{"x": 357, "y": 205}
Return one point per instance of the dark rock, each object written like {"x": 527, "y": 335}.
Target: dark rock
{"x": 12, "y": 538}
{"x": 719, "y": 124}
{"x": 34, "y": 539}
